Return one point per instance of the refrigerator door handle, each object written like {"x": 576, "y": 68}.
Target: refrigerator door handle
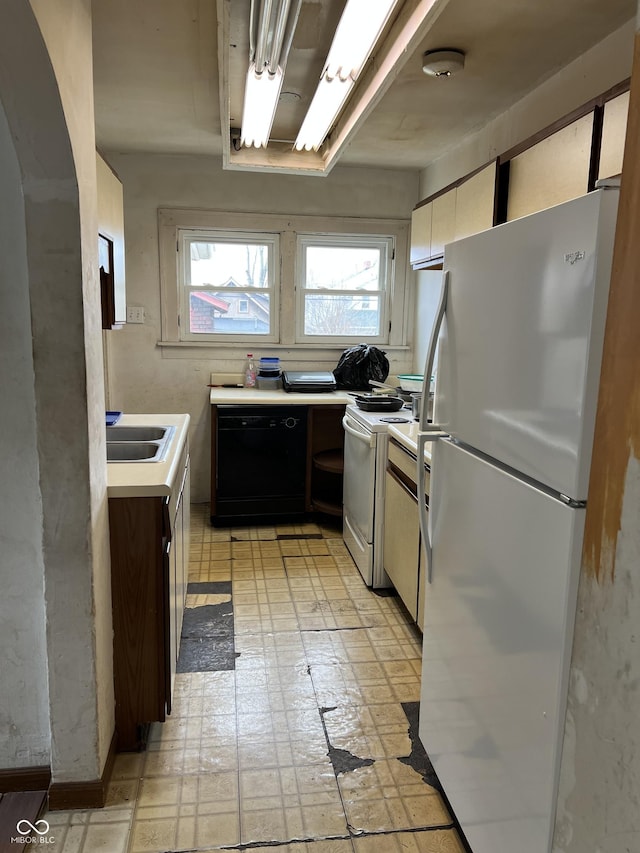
{"x": 423, "y": 438}
{"x": 431, "y": 354}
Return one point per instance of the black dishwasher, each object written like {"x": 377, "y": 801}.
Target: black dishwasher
{"x": 261, "y": 454}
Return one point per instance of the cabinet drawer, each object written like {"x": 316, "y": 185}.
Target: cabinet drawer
{"x": 406, "y": 463}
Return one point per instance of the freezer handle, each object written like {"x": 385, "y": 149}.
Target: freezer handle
{"x": 367, "y": 438}
{"x": 431, "y": 354}
{"x": 423, "y": 438}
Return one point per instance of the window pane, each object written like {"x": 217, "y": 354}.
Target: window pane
{"x": 351, "y": 314}
{"x": 342, "y": 268}
{"x": 222, "y": 312}
{"x": 228, "y": 264}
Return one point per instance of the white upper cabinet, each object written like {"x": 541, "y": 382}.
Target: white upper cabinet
{"x": 443, "y": 226}
{"x": 421, "y": 234}
{"x": 461, "y": 211}
{"x": 614, "y": 130}
{"x": 475, "y": 202}
{"x": 553, "y": 171}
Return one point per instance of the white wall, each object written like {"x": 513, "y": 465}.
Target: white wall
{"x": 145, "y": 378}
{"x": 24, "y": 711}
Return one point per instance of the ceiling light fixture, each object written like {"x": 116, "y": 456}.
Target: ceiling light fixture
{"x": 360, "y": 26}
{"x": 442, "y": 63}
{"x": 271, "y": 29}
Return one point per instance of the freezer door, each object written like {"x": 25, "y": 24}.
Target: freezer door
{"x": 498, "y": 625}
{"x": 520, "y": 354}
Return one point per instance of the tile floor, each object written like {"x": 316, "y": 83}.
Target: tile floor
{"x": 298, "y": 749}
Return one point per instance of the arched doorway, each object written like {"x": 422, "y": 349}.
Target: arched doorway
{"x": 54, "y": 512}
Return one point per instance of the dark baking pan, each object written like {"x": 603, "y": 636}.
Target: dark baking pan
{"x": 379, "y": 403}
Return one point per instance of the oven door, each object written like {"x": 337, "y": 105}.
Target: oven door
{"x": 359, "y": 494}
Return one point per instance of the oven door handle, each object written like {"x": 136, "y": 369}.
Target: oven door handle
{"x": 366, "y": 437}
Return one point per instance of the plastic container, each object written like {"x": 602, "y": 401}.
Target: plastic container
{"x": 269, "y": 367}
{"x": 250, "y": 372}
{"x": 268, "y": 383}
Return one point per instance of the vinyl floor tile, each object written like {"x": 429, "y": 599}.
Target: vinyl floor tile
{"x": 436, "y": 841}
{"x": 298, "y": 744}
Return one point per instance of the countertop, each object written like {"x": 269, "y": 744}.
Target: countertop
{"x": 407, "y": 436}
{"x": 148, "y": 479}
{"x": 259, "y": 397}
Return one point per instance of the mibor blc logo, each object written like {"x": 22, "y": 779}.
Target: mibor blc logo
{"x": 32, "y": 833}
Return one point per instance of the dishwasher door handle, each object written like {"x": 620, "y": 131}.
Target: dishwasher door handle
{"x": 366, "y": 437}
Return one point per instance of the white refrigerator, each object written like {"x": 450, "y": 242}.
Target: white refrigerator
{"x": 522, "y": 311}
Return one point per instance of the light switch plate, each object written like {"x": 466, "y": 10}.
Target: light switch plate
{"x": 135, "y": 314}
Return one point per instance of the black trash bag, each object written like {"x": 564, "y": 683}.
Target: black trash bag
{"x": 358, "y": 365}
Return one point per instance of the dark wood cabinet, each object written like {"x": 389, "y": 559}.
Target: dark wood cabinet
{"x": 149, "y": 559}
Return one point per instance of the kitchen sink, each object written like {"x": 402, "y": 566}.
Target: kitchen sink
{"x": 137, "y": 433}
{"x": 137, "y": 443}
{"x": 132, "y": 451}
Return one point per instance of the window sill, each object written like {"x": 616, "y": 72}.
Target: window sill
{"x": 301, "y": 352}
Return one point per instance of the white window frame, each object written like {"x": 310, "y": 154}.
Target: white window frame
{"x": 286, "y": 228}
{"x": 386, "y": 245}
{"x": 186, "y": 236}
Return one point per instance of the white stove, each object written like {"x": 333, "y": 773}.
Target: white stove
{"x": 365, "y": 459}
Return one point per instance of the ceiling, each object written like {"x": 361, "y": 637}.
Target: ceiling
{"x": 157, "y": 81}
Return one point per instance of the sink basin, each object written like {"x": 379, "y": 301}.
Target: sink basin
{"x": 137, "y": 443}
{"x": 133, "y": 451}
{"x": 136, "y": 433}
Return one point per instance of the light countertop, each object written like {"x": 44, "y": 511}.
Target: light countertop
{"x": 148, "y": 479}
{"x": 407, "y": 436}
{"x": 278, "y": 397}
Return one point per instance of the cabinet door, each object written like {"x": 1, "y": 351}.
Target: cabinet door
{"x": 474, "y": 203}
{"x": 614, "y": 131}
{"x": 186, "y": 540}
{"x": 182, "y": 522}
{"x": 180, "y": 565}
{"x": 420, "y": 234}
{"x": 401, "y": 539}
{"x": 140, "y": 571}
{"x": 177, "y": 600}
{"x": 553, "y": 171}
{"x": 443, "y": 226}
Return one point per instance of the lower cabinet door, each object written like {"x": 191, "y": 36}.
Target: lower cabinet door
{"x": 168, "y": 558}
{"x": 401, "y": 541}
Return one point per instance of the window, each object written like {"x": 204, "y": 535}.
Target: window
{"x": 228, "y": 285}
{"x": 311, "y": 285}
{"x": 344, "y": 286}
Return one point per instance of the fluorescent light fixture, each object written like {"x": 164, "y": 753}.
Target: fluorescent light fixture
{"x": 261, "y": 95}
{"x": 360, "y": 26}
{"x": 271, "y": 28}
{"x": 325, "y": 106}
